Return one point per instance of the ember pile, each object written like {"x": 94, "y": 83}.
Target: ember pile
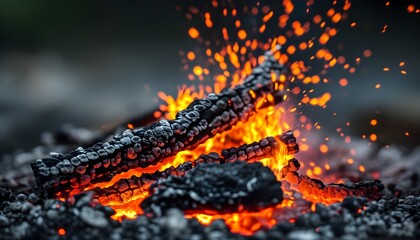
{"x": 164, "y": 181}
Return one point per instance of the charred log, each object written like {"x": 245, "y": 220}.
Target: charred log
{"x": 128, "y": 189}
{"x": 216, "y": 188}
{"x": 316, "y": 191}
{"x": 61, "y": 173}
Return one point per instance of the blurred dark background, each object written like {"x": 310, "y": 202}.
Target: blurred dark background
{"x": 96, "y": 63}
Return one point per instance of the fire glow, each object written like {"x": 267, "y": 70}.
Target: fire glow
{"x": 226, "y": 63}
{"x": 234, "y": 60}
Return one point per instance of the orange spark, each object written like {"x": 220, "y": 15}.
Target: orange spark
{"x": 317, "y": 170}
{"x": 373, "y": 137}
{"x": 323, "y": 148}
{"x": 208, "y": 21}
{"x": 317, "y": 19}
{"x": 367, "y": 53}
{"x": 291, "y": 49}
{"x": 411, "y": 8}
{"x": 324, "y": 38}
{"x": 242, "y": 34}
{"x": 281, "y": 40}
{"x": 193, "y": 32}
{"x": 190, "y": 56}
{"x": 268, "y": 16}
{"x": 262, "y": 28}
{"x": 343, "y": 82}
{"x": 61, "y": 232}
{"x": 373, "y": 122}
{"x": 336, "y": 18}
{"x": 197, "y": 70}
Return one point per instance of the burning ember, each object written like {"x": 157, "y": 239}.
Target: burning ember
{"x": 63, "y": 175}
{"x": 221, "y": 156}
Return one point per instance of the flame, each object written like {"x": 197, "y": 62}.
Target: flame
{"x": 226, "y": 61}
{"x": 245, "y": 223}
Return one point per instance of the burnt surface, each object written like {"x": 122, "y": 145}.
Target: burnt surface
{"x": 394, "y": 216}
{"x": 315, "y": 190}
{"x": 28, "y": 216}
{"x": 126, "y": 189}
{"x": 62, "y": 172}
{"x": 216, "y": 188}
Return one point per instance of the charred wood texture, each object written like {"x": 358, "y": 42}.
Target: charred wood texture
{"x": 216, "y": 188}
{"x": 61, "y": 173}
{"x": 128, "y": 189}
{"x": 316, "y": 191}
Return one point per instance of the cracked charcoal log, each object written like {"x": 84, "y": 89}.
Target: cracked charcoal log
{"x": 61, "y": 173}
{"x": 216, "y": 188}
{"x": 333, "y": 193}
{"x": 125, "y": 190}
{"x": 316, "y": 191}
{"x": 253, "y": 150}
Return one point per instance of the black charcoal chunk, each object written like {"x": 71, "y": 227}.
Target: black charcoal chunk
{"x": 221, "y": 188}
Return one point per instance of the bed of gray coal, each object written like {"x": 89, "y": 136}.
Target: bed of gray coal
{"x": 24, "y": 215}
